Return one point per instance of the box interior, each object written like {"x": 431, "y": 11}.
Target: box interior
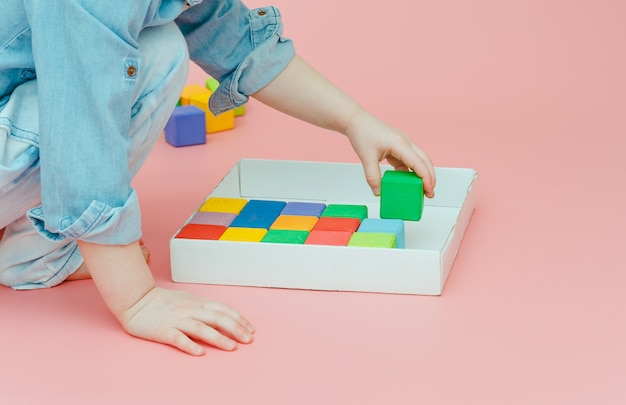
{"x": 421, "y": 268}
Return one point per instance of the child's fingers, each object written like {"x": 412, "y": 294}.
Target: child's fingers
{"x": 181, "y": 341}
{"x": 371, "y": 168}
{"x": 231, "y": 312}
{"x": 205, "y": 333}
{"x": 416, "y": 160}
{"x": 181, "y": 338}
{"x": 226, "y": 324}
{"x": 432, "y": 180}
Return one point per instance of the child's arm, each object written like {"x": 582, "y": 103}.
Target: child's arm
{"x": 165, "y": 316}
{"x": 175, "y": 317}
{"x": 303, "y": 93}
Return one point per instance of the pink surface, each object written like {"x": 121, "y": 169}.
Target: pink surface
{"x": 531, "y": 94}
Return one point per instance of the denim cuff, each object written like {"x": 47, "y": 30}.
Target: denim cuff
{"x": 270, "y": 55}
{"x": 99, "y": 223}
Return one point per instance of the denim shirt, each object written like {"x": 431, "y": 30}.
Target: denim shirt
{"x": 80, "y": 52}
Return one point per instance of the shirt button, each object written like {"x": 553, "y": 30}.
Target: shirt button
{"x": 261, "y": 12}
{"x": 131, "y": 71}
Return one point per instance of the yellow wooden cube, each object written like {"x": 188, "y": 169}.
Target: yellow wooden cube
{"x": 294, "y": 223}
{"x": 222, "y": 122}
{"x": 191, "y": 90}
{"x": 244, "y": 234}
{"x": 224, "y": 204}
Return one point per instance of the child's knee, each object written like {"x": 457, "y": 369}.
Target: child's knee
{"x": 29, "y": 261}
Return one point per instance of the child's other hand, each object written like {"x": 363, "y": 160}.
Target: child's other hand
{"x": 177, "y": 318}
{"x": 374, "y": 141}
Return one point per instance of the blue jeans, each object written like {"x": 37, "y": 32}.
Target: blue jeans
{"x": 27, "y": 259}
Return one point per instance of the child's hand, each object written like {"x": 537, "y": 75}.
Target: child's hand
{"x": 176, "y": 317}
{"x": 373, "y": 141}
{"x": 166, "y": 316}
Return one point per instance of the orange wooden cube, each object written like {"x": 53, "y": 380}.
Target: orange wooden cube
{"x": 294, "y": 222}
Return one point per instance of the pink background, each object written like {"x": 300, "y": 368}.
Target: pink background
{"x": 531, "y": 94}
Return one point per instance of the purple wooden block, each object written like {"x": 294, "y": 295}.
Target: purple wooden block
{"x": 212, "y": 218}
{"x": 304, "y": 209}
{"x": 186, "y": 126}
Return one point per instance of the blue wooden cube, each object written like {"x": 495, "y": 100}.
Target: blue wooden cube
{"x": 395, "y": 226}
{"x": 186, "y": 126}
{"x": 258, "y": 214}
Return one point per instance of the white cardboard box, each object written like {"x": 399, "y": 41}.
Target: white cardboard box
{"x": 421, "y": 268}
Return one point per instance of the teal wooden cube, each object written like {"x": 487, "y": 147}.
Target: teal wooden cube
{"x": 401, "y": 196}
{"x": 395, "y": 226}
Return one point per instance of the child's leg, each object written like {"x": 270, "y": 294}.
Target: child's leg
{"x": 165, "y": 64}
{"x": 27, "y": 259}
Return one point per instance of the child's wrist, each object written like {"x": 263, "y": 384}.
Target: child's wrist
{"x": 120, "y": 273}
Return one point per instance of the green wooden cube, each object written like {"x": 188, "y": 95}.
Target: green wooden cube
{"x": 241, "y": 110}
{"x": 211, "y": 84}
{"x": 401, "y": 196}
{"x": 373, "y": 239}
{"x": 285, "y": 236}
{"x": 345, "y": 211}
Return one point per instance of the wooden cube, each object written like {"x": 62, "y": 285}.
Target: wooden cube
{"x": 191, "y": 90}
{"x": 222, "y": 122}
{"x": 201, "y": 231}
{"x": 345, "y": 211}
{"x": 401, "y": 196}
{"x": 258, "y": 214}
{"x": 186, "y": 126}
{"x": 294, "y": 222}
{"x": 395, "y": 226}
{"x": 304, "y": 208}
{"x": 337, "y": 224}
{"x": 224, "y": 204}
{"x": 373, "y": 239}
{"x": 243, "y": 234}
{"x": 333, "y": 238}
{"x": 285, "y": 236}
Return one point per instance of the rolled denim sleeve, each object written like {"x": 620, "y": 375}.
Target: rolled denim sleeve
{"x": 243, "y": 49}
{"x": 87, "y": 67}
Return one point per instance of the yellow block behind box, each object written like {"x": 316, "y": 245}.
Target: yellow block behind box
{"x": 191, "y": 90}
{"x": 222, "y": 122}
